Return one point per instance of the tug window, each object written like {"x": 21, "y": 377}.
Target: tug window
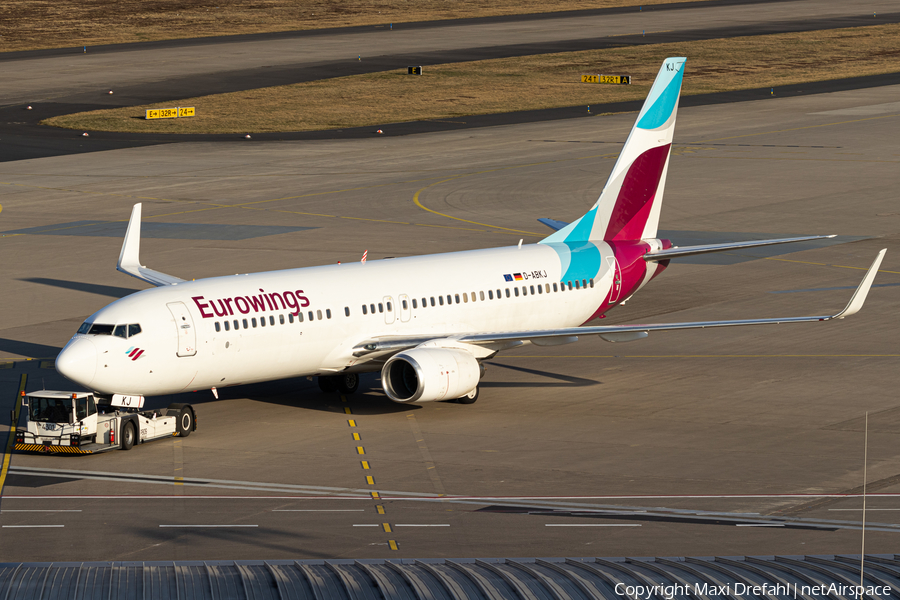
{"x": 365, "y": 310}
{"x": 218, "y": 327}
{"x": 346, "y": 311}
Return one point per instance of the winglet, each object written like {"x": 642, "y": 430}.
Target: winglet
{"x": 129, "y": 256}
{"x": 859, "y": 296}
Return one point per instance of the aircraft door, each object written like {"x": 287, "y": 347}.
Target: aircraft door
{"x": 404, "y": 308}
{"x": 187, "y": 336}
{"x": 389, "y": 309}
{"x": 615, "y": 287}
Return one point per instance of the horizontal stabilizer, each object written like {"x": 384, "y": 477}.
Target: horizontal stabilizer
{"x": 553, "y": 224}
{"x": 678, "y": 252}
{"x": 129, "y": 257}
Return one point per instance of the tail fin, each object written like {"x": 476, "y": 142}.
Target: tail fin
{"x": 628, "y": 207}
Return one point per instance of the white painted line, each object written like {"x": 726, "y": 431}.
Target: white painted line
{"x": 366, "y": 525}
{"x": 319, "y": 510}
{"x": 23, "y": 526}
{"x": 422, "y": 525}
{"x": 592, "y": 525}
{"x": 209, "y": 525}
{"x": 759, "y": 524}
{"x": 24, "y": 510}
{"x": 867, "y": 509}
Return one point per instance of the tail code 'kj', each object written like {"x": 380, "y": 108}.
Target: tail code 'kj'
{"x": 628, "y": 207}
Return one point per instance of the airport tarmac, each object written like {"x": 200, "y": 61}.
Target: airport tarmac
{"x": 726, "y": 442}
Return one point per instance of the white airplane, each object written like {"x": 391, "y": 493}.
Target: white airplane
{"x": 425, "y": 322}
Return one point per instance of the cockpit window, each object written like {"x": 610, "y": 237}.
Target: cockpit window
{"x": 99, "y": 329}
{"x": 85, "y": 327}
{"x": 133, "y": 329}
{"x": 121, "y": 331}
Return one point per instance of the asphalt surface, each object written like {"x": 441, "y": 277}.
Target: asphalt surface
{"x": 62, "y": 81}
{"x": 727, "y": 442}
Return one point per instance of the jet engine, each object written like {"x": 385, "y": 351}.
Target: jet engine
{"x": 430, "y": 374}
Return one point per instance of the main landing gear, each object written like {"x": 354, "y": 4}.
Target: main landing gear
{"x": 345, "y": 383}
{"x": 469, "y": 398}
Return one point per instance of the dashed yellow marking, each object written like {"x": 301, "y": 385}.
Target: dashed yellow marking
{"x": 380, "y": 509}
{"x": 179, "y": 481}
{"x": 393, "y": 545}
{"x": 818, "y": 264}
{"x": 8, "y": 365}
{"x": 356, "y": 436}
{"x": 360, "y": 450}
{"x": 365, "y": 464}
{"x": 351, "y": 422}
{"x": 12, "y": 432}
{"x": 347, "y": 410}
{"x": 387, "y": 527}
{"x": 375, "y": 495}
{"x": 370, "y": 480}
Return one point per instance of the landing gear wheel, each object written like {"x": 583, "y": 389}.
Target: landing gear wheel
{"x": 127, "y": 436}
{"x": 469, "y": 398}
{"x": 185, "y": 423}
{"x": 326, "y": 384}
{"x": 347, "y": 383}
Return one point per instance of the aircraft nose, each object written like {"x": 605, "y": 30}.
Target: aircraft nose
{"x": 78, "y": 361}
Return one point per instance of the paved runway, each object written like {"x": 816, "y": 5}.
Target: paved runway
{"x": 586, "y": 449}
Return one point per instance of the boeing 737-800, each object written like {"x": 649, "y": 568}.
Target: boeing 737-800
{"x": 425, "y": 322}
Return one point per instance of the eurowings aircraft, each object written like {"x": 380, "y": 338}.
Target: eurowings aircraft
{"x": 426, "y": 322}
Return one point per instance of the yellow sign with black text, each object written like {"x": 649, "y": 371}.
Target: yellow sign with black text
{"x": 615, "y": 79}
{"x": 170, "y": 113}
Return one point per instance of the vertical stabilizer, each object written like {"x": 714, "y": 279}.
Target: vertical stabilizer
{"x": 628, "y": 207}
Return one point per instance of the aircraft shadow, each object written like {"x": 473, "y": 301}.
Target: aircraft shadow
{"x": 560, "y": 380}
{"x": 28, "y": 349}
{"x": 102, "y": 290}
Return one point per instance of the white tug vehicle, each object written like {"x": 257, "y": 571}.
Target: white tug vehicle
{"x": 82, "y": 423}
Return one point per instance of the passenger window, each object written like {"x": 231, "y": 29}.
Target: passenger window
{"x": 532, "y": 290}
{"x": 365, "y": 311}
{"x": 218, "y": 328}
{"x": 592, "y": 282}
{"x": 227, "y": 326}
{"x": 457, "y": 298}
{"x": 554, "y": 287}
{"x": 507, "y": 293}
{"x": 372, "y": 308}
{"x": 540, "y": 289}
{"x": 281, "y": 319}
{"x": 271, "y": 319}
{"x": 570, "y": 285}
{"x": 236, "y": 326}
{"x": 85, "y": 327}
{"x": 450, "y": 299}
{"x": 346, "y": 311}
{"x": 405, "y": 305}
{"x": 290, "y": 317}
{"x": 524, "y": 290}
{"x": 440, "y": 300}
{"x": 425, "y": 302}
{"x": 253, "y": 321}
{"x": 311, "y": 317}
{"x": 327, "y": 313}
{"x": 319, "y": 315}
{"x": 576, "y": 285}
{"x": 490, "y": 294}
{"x": 245, "y": 324}
{"x": 120, "y": 331}
{"x": 133, "y": 329}
{"x": 299, "y": 317}
{"x": 548, "y": 288}
{"x": 380, "y": 307}
{"x": 414, "y": 303}
{"x": 482, "y": 296}
{"x": 389, "y": 307}
{"x": 432, "y": 301}
{"x": 466, "y": 298}
{"x": 516, "y": 291}
{"x": 262, "y": 321}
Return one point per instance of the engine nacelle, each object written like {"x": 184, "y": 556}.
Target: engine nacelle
{"x": 430, "y": 374}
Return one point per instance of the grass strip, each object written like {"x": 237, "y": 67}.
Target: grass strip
{"x": 455, "y": 90}
{"x": 37, "y": 24}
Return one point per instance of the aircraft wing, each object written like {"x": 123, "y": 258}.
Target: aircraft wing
{"x": 129, "y": 257}
{"x": 612, "y": 333}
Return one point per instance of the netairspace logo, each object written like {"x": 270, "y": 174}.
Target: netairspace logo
{"x": 647, "y": 592}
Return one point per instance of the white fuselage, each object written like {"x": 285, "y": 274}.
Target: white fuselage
{"x": 183, "y": 342}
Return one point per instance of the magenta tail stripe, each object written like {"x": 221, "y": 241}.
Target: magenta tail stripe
{"x": 635, "y": 199}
